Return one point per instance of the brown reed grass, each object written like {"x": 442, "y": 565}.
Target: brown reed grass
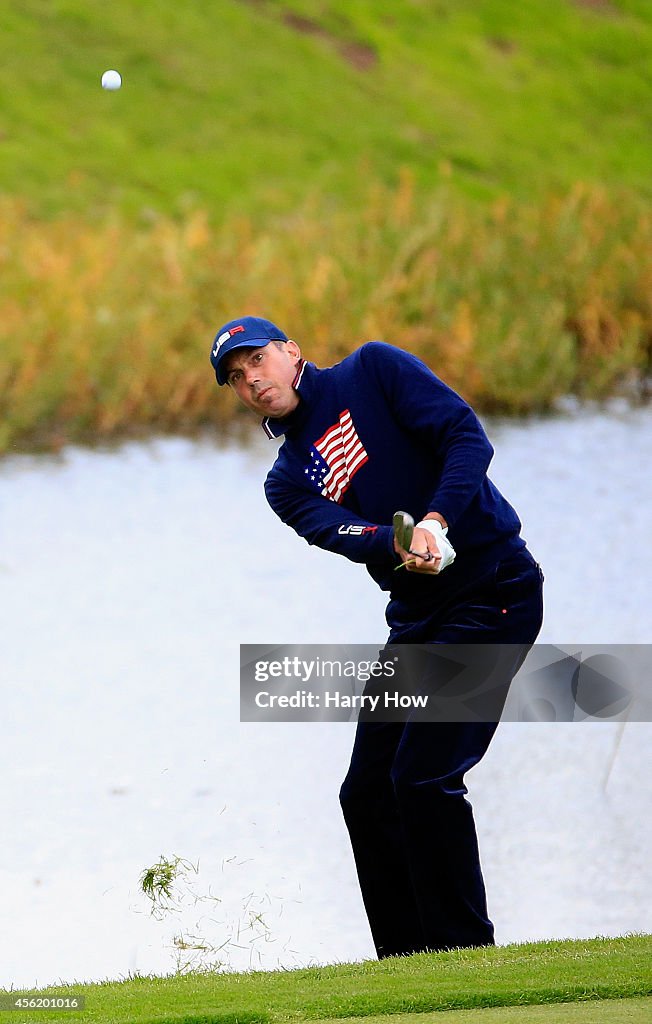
{"x": 105, "y": 328}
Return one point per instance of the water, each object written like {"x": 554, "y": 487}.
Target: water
{"x": 129, "y": 577}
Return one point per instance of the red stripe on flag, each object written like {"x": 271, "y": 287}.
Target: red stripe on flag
{"x": 343, "y": 452}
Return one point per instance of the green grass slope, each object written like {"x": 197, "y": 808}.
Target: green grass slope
{"x": 509, "y": 976}
{"x": 252, "y": 104}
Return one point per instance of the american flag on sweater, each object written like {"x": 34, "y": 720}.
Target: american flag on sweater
{"x": 335, "y": 458}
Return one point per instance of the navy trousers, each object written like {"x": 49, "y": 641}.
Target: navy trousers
{"x": 404, "y": 797}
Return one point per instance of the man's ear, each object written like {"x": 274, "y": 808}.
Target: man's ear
{"x": 293, "y": 349}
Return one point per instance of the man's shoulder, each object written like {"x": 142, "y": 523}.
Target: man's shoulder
{"x": 276, "y": 475}
{"x": 368, "y": 357}
{"x": 371, "y": 351}
{"x": 284, "y": 467}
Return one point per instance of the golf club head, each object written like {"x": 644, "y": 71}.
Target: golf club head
{"x": 403, "y": 529}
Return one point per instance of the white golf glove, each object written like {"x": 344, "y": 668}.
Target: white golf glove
{"x": 446, "y": 549}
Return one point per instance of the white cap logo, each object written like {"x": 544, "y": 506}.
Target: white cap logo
{"x": 225, "y": 337}
{"x": 220, "y": 341}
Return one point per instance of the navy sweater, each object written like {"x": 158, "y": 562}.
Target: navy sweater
{"x": 380, "y": 432}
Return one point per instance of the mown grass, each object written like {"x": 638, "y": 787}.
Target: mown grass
{"x": 517, "y": 975}
{"x": 106, "y": 328}
{"x": 607, "y": 1011}
{"x": 251, "y": 106}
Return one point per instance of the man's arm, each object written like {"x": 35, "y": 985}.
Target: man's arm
{"x": 441, "y": 419}
{"x": 326, "y": 524}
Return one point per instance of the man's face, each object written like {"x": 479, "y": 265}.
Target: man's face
{"x": 262, "y": 377}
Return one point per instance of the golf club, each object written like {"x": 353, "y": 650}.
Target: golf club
{"x": 403, "y": 530}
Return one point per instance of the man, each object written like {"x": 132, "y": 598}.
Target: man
{"x": 376, "y": 433}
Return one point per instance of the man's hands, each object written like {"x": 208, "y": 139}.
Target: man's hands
{"x": 429, "y": 550}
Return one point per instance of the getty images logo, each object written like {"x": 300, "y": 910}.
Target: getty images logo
{"x": 355, "y": 530}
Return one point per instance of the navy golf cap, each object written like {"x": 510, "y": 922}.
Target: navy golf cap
{"x": 248, "y": 330}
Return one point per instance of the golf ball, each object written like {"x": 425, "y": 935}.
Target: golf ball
{"x": 111, "y": 80}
